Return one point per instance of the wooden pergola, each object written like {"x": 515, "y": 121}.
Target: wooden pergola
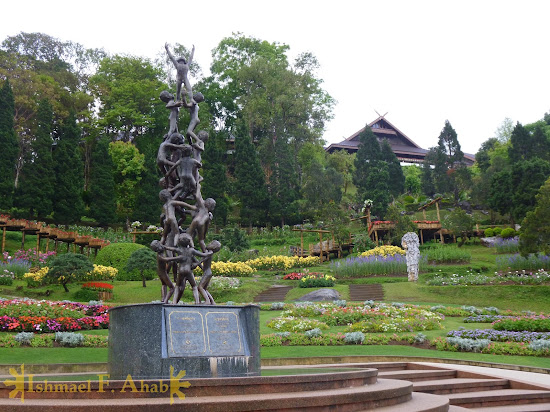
{"x": 320, "y": 232}
{"x": 49, "y": 233}
{"x": 431, "y": 226}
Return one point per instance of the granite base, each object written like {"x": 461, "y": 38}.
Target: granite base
{"x": 147, "y": 340}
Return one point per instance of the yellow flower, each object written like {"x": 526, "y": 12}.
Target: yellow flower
{"x": 384, "y": 251}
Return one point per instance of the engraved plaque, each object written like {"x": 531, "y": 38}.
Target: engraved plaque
{"x": 223, "y": 334}
{"x": 186, "y": 334}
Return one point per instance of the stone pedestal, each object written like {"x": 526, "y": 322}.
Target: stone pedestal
{"x": 204, "y": 341}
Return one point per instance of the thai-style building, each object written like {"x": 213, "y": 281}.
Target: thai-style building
{"x": 404, "y": 148}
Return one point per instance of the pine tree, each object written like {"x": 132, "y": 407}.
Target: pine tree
{"x": 519, "y": 148}
{"x": 371, "y": 173}
{"x": 37, "y": 183}
{"x": 102, "y": 184}
{"x": 527, "y": 146}
{"x": 283, "y": 207}
{"x": 8, "y": 146}
{"x": 447, "y": 157}
{"x": 148, "y": 206}
{"x": 69, "y": 175}
{"x": 250, "y": 183}
{"x": 396, "y": 182}
{"x": 215, "y": 184}
{"x": 535, "y": 228}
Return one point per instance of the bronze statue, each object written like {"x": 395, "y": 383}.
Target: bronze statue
{"x": 168, "y": 288}
{"x": 182, "y": 69}
{"x": 185, "y": 257}
{"x": 206, "y": 265}
{"x": 179, "y": 161}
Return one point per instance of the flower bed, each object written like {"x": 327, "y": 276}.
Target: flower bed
{"x": 399, "y": 320}
{"x": 230, "y": 269}
{"x": 98, "y": 286}
{"x": 540, "y": 323}
{"x": 282, "y": 262}
{"x": 333, "y": 339}
{"x": 378, "y": 318}
{"x": 44, "y": 316}
{"x": 493, "y": 348}
{"x": 47, "y": 340}
{"x": 316, "y": 280}
{"x": 384, "y": 251}
{"x": 294, "y": 276}
{"x": 221, "y": 283}
{"x": 292, "y": 324}
{"x": 516, "y": 262}
{"x": 499, "y": 336}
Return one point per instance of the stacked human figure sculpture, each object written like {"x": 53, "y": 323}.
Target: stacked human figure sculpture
{"x": 179, "y": 162}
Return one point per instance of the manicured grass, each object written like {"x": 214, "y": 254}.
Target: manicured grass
{"x": 298, "y": 292}
{"x": 52, "y": 355}
{"x": 396, "y": 350}
{"x": 516, "y": 297}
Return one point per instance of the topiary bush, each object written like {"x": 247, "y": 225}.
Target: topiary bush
{"x": 489, "y": 232}
{"x": 143, "y": 263}
{"x": 69, "y": 267}
{"x": 117, "y": 255}
{"x": 507, "y": 232}
{"x": 497, "y": 231}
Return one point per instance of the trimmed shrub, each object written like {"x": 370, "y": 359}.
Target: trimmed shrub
{"x": 69, "y": 339}
{"x": 117, "y": 255}
{"x": 489, "y": 232}
{"x": 540, "y": 344}
{"x": 356, "y": 338}
{"x": 507, "y": 233}
{"x": 24, "y": 338}
{"x": 469, "y": 345}
{"x": 313, "y": 333}
{"x": 497, "y": 231}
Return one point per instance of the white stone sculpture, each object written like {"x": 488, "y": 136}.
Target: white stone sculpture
{"x": 410, "y": 243}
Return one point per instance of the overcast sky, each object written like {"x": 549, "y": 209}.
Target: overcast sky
{"x": 473, "y": 62}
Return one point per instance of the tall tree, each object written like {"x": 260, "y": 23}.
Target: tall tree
{"x": 483, "y": 158}
{"x": 447, "y": 158}
{"x": 128, "y": 167}
{"x": 322, "y": 190}
{"x": 284, "y": 186}
{"x": 535, "y": 228}
{"x": 343, "y": 162}
{"x": 102, "y": 185}
{"x": 43, "y": 67}
{"x": 371, "y": 173}
{"x": 37, "y": 186}
{"x": 427, "y": 176}
{"x": 128, "y": 89}
{"x": 214, "y": 171}
{"x": 8, "y": 143}
{"x": 68, "y": 204}
{"x": 513, "y": 190}
{"x": 396, "y": 182}
{"x": 250, "y": 183}
{"x": 148, "y": 207}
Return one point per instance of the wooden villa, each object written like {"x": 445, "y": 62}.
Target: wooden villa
{"x": 404, "y": 148}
